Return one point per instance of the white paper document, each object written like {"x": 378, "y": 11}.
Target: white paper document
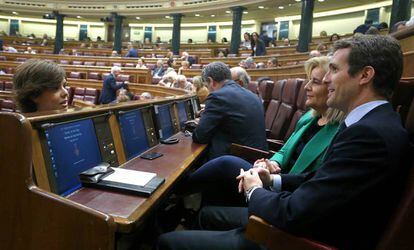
{"x": 128, "y": 176}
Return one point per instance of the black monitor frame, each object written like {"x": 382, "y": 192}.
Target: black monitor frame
{"x": 103, "y": 135}
{"x": 148, "y": 119}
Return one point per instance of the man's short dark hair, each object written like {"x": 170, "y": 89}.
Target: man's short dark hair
{"x": 383, "y": 53}
{"x": 32, "y": 78}
{"x": 218, "y": 71}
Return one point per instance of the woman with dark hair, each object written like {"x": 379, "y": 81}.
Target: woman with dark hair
{"x": 334, "y": 37}
{"x": 258, "y": 46}
{"x": 246, "y": 43}
{"x": 40, "y": 86}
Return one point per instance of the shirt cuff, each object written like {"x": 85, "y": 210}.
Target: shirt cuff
{"x": 277, "y": 183}
{"x": 251, "y": 192}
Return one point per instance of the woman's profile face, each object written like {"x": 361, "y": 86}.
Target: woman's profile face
{"x": 317, "y": 91}
{"x": 246, "y": 37}
{"x": 53, "y": 99}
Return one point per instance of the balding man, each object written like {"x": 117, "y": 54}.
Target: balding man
{"x": 314, "y": 53}
{"x": 239, "y": 75}
{"x": 110, "y": 86}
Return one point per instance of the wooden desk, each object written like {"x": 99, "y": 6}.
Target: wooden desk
{"x": 128, "y": 210}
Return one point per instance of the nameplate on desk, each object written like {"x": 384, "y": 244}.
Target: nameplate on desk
{"x": 126, "y": 180}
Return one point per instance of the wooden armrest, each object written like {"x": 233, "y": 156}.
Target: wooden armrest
{"x": 275, "y": 145}
{"x": 81, "y": 104}
{"x": 248, "y": 153}
{"x": 271, "y": 237}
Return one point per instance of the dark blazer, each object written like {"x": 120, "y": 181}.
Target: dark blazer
{"x": 132, "y": 53}
{"x": 260, "y": 48}
{"x": 232, "y": 115}
{"x": 109, "y": 88}
{"x": 191, "y": 60}
{"x": 158, "y": 71}
{"x": 349, "y": 199}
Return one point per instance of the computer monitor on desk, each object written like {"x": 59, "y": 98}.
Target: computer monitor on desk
{"x": 137, "y": 130}
{"x": 166, "y": 121}
{"x": 184, "y": 110}
{"x": 71, "y": 147}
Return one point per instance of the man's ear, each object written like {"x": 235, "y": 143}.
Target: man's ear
{"x": 367, "y": 75}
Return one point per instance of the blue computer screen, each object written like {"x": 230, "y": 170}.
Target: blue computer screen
{"x": 73, "y": 148}
{"x": 133, "y": 133}
{"x": 182, "y": 113}
{"x": 164, "y": 121}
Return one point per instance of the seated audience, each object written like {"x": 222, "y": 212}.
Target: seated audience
{"x": 186, "y": 57}
{"x": 367, "y": 159}
{"x": 40, "y": 86}
{"x": 286, "y": 42}
{"x": 257, "y": 45}
{"x": 132, "y": 52}
{"x": 321, "y": 47}
{"x": 260, "y": 65}
{"x": 398, "y": 26}
{"x": 146, "y": 96}
{"x": 334, "y": 37}
{"x": 220, "y": 54}
{"x": 114, "y": 53}
{"x": 363, "y": 27}
{"x": 122, "y": 95}
{"x": 314, "y": 53}
{"x": 265, "y": 38}
{"x": 10, "y": 49}
{"x": 323, "y": 33}
{"x": 232, "y": 114}
{"x": 200, "y": 89}
{"x": 168, "y": 79}
{"x": 246, "y": 43}
{"x": 382, "y": 26}
{"x": 224, "y": 40}
{"x": 190, "y": 40}
{"x": 170, "y": 63}
{"x": 29, "y": 50}
{"x": 239, "y": 75}
{"x": 184, "y": 65}
{"x": 272, "y": 63}
{"x": 181, "y": 83}
{"x": 170, "y": 55}
{"x": 140, "y": 64}
{"x": 110, "y": 86}
{"x": 158, "y": 40}
{"x": 249, "y": 63}
{"x": 372, "y": 31}
{"x": 159, "y": 69}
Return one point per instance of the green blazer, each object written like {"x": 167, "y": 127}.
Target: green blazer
{"x": 313, "y": 153}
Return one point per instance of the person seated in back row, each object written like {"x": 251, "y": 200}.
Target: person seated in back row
{"x": 40, "y": 86}
{"x": 232, "y": 114}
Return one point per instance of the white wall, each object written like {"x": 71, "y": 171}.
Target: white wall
{"x": 96, "y": 30}
{"x": 4, "y": 25}
{"x": 37, "y": 28}
{"x": 198, "y": 34}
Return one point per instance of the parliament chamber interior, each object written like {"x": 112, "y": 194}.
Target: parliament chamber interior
{"x": 158, "y": 58}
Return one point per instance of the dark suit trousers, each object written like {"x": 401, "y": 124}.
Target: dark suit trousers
{"x": 232, "y": 219}
{"x": 217, "y": 181}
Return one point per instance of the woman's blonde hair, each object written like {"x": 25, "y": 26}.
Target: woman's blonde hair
{"x": 198, "y": 82}
{"x": 333, "y": 115}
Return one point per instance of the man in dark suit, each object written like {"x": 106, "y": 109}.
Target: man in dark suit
{"x": 232, "y": 114}
{"x": 349, "y": 199}
{"x": 132, "y": 52}
{"x": 159, "y": 70}
{"x": 109, "y": 88}
{"x": 186, "y": 57}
